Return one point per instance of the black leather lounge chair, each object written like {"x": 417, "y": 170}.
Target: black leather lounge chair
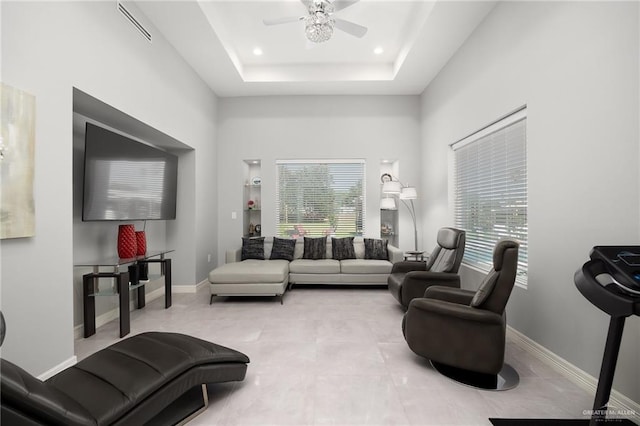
{"x": 409, "y": 280}
{"x": 466, "y": 330}
{"x": 132, "y": 382}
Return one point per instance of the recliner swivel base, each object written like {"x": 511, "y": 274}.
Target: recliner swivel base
{"x": 506, "y": 379}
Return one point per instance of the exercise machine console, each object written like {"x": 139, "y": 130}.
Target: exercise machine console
{"x": 611, "y": 282}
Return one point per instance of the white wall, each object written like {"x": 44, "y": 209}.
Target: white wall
{"x": 575, "y": 66}
{"x": 314, "y": 127}
{"x": 48, "y": 49}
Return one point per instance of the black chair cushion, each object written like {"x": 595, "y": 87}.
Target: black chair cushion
{"x": 485, "y": 289}
{"x": 116, "y": 379}
{"x": 443, "y": 260}
{"x": 44, "y": 403}
{"x": 449, "y": 238}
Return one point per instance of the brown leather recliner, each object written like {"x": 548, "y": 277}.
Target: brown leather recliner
{"x": 466, "y": 329}
{"x": 409, "y": 280}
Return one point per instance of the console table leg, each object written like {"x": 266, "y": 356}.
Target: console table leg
{"x": 167, "y": 282}
{"x": 134, "y": 279}
{"x": 123, "y": 294}
{"x": 141, "y": 298}
{"x": 89, "y": 305}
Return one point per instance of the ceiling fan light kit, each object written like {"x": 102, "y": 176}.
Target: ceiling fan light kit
{"x": 319, "y": 29}
{"x": 319, "y": 24}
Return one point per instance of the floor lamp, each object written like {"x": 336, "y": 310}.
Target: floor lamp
{"x": 406, "y": 194}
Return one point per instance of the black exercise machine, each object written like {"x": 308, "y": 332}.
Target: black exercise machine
{"x": 611, "y": 281}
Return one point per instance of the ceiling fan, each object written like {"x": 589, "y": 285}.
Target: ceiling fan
{"x": 320, "y": 22}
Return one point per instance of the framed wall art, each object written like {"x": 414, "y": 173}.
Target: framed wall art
{"x": 17, "y": 163}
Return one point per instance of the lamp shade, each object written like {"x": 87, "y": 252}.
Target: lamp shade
{"x": 388, "y": 204}
{"x": 408, "y": 193}
{"x": 392, "y": 187}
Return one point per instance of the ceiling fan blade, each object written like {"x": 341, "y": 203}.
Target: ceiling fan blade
{"x": 285, "y": 20}
{"x": 343, "y": 4}
{"x": 350, "y": 27}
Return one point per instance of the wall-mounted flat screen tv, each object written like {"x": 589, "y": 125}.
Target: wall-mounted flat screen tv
{"x": 126, "y": 179}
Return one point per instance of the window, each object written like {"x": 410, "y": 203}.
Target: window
{"x": 491, "y": 190}
{"x": 317, "y": 198}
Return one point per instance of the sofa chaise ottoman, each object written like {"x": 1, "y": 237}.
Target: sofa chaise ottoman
{"x": 132, "y": 382}
{"x": 250, "y": 277}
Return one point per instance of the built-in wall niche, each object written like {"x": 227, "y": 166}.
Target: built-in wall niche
{"x": 97, "y": 240}
{"x": 388, "y": 204}
{"x": 252, "y": 199}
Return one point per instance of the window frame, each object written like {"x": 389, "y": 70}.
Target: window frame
{"x": 360, "y": 218}
{"x": 519, "y": 231}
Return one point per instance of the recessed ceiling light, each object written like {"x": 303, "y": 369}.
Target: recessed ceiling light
{"x": 378, "y": 50}
{"x": 257, "y": 51}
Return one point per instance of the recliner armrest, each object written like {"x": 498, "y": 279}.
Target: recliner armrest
{"x": 446, "y": 278}
{"x": 404, "y": 267}
{"x": 450, "y": 294}
{"x": 456, "y": 310}
{"x": 416, "y": 283}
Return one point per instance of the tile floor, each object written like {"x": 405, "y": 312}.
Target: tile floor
{"x": 336, "y": 356}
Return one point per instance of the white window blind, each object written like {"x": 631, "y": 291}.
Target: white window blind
{"x": 320, "y": 197}
{"x": 491, "y": 191}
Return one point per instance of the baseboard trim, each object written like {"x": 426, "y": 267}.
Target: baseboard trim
{"x": 182, "y": 289}
{"x": 58, "y": 368}
{"x": 573, "y": 373}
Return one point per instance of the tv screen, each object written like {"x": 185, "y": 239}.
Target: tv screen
{"x": 127, "y": 180}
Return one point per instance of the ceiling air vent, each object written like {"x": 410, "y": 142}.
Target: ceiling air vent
{"x": 146, "y": 34}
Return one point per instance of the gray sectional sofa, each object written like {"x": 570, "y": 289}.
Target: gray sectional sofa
{"x": 253, "y": 277}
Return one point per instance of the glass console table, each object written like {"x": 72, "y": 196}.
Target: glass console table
{"x": 124, "y": 282}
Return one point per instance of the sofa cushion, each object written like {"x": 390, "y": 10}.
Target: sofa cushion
{"x": 251, "y": 271}
{"x": 375, "y": 248}
{"x": 315, "y": 248}
{"x": 252, "y": 248}
{"x": 342, "y": 248}
{"x": 320, "y": 266}
{"x": 282, "y": 249}
{"x": 299, "y": 249}
{"x": 368, "y": 266}
{"x": 358, "y": 246}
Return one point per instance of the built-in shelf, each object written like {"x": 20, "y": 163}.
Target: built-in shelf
{"x": 389, "y": 218}
{"x": 252, "y": 217}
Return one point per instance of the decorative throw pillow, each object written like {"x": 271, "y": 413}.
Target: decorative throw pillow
{"x": 342, "y": 248}
{"x": 315, "y": 248}
{"x": 253, "y": 248}
{"x": 375, "y": 248}
{"x": 283, "y": 249}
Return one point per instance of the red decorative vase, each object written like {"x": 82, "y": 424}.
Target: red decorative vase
{"x": 127, "y": 246}
{"x": 141, "y": 243}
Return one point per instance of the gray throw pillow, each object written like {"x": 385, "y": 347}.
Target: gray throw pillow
{"x": 315, "y": 248}
{"x": 342, "y": 248}
{"x": 375, "y": 248}
{"x": 253, "y": 248}
{"x": 283, "y": 249}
